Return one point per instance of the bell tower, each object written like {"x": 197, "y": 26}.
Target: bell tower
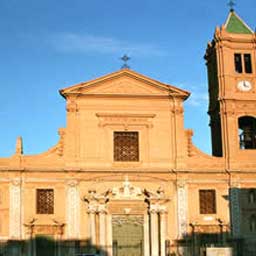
{"x": 231, "y": 65}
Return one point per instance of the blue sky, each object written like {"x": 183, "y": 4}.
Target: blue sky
{"x": 47, "y": 45}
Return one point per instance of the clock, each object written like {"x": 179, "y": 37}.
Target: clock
{"x": 244, "y": 86}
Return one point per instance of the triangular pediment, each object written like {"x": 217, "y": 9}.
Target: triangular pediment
{"x": 124, "y": 82}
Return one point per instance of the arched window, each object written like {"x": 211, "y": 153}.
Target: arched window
{"x": 247, "y": 132}
{"x": 252, "y": 196}
{"x": 253, "y": 223}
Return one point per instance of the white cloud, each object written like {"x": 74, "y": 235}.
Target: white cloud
{"x": 71, "y": 42}
{"x": 197, "y": 99}
{"x": 199, "y": 95}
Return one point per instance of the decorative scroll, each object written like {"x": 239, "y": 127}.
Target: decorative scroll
{"x": 182, "y": 208}
{"x": 15, "y": 209}
{"x": 73, "y": 210}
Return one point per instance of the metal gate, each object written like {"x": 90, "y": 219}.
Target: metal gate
{"x": 128, "y": 235}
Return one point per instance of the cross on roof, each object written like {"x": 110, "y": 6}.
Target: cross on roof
{"x": 231, "y": 4}
{"x": 125, "y": 58}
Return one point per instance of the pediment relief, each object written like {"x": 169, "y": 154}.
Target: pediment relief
{"x": 125, "y": 86}
{"x": 124, "y": 82}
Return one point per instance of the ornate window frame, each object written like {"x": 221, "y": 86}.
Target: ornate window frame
{"x": 141, "y": 123}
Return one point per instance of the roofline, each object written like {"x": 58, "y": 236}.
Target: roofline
{"x": 117, "y": 73}
{"x": 229, "y": 16}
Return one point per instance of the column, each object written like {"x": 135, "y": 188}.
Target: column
{"x": 162, "y": 230}
{"x": 154, "y": 231}
{"x": 73, "y": 210}
{"x": 235, "y": 208}
{"x": 15, "y": 225}
{"x": 182, "y": 208}
{"x": 146, "y": 235}
{"x": 92, "y": 224}
{"x": 109, "y": 234}
{"x": 102, "y": 228}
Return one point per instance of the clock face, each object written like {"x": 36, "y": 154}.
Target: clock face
{"x": 244, "y": 86}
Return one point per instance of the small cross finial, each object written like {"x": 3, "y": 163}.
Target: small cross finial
{"x": 231, "y": 4}
{"x": 125, "y": 58}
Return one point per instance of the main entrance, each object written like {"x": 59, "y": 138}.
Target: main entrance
{"x": 128, "y": 235}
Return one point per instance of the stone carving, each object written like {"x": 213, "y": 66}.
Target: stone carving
{"x": 126, "y": 120}
{"x": 15, "y": 209}
{"x": 71, "y": 106}
{"x": 121, "y": 220}
{"x": 182, "y": 207}
{"x": 157, "y": 208}
{"x": 73, "y": 209}
{"x": 126, "y": 191}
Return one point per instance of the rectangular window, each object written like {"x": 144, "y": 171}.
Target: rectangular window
{"x": 248, "y": 63}
{"x": 44, "y": 201}
{"x": 207, "y": 202}
{"x": 126, "y": 146}
{"x": 238, "y": 63}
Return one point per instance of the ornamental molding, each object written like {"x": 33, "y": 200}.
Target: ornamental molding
{"x": 72, "y": 183}
{"x": 16, "y": 182}
{"x": 71, "y": 106}
{"x": 181, "y": 183}
{"x": 122, "y": 220}
{"x": 157, "y": 208}
{"x": 98, "y": 202}
{"x": 127, "y": 119}
{"x": 177, "y": 110}
{"x": 127, "y": 191}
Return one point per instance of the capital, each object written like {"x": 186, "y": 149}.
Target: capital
{"x": 72, "y": 183}
{"x": 16, "y": 182}
{"x": 181, "y": 183}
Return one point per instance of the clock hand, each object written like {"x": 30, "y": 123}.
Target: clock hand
{"x": 245, "y": 84}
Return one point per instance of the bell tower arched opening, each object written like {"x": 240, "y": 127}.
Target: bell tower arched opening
{"x": 247, "y": 132}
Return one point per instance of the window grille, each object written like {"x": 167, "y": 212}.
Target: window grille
{"x": 252, "y": 223}
{"x": 207, "y": 201}
{"x": 44, "y": 201}
{"x": 252, "y": 196}
{"x": 126, "y": 146}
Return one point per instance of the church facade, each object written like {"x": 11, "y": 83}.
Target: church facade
{"x": 125, "y": 177}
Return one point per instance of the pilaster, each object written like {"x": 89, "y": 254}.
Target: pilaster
{"x": 73, "y": 210}
{"x": 182, "y": 208}
{"x": 15, "y": 225}
{"x": 154, "y": 231}
{"x": 102, "y": 228}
